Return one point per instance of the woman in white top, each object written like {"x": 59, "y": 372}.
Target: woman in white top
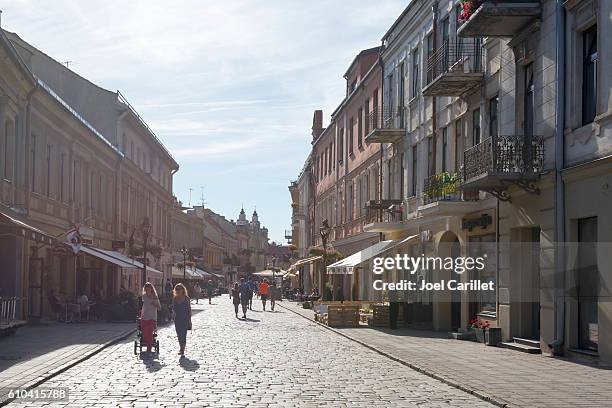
{"x": 148, "y": 314}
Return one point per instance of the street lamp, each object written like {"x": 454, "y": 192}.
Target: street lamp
{"x": 324, "y": 230}
{"x": 145, "y": 229}
{"x": 184, "y": 252}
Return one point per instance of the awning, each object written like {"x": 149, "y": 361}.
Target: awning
{"x": 345, "y": 266}
{"x": 21, "y": 228}
{"x": 114, "y": 256}
{"x": 304, "y": 261}
{"x": 268, "y": 273}
{"x": 101, "y": 255}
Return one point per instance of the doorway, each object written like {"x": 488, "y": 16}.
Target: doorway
{"x": 35, "y": 288}
{"x": 587, "y": 284}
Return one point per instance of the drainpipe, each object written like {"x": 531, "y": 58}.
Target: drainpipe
{"x": 557, "y": 344}
{"x": 434, "y": 121}
{"x": 382, "y": 104}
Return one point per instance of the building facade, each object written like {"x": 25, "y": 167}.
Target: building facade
{"x": 62, "y": 174}
{"x": 494, "y": 135}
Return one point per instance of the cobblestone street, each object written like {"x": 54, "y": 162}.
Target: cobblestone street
{"x": 272, "y": 359}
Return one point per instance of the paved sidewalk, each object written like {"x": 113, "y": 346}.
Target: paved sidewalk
{"x": 503, "y": 376}
{"x": 36, "y": 353}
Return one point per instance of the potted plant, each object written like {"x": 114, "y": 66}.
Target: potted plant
{"x": 479, "y": 327}
{"x": 469, "y": 7}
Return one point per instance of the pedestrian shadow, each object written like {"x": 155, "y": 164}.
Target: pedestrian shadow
{"x": 152, "y": 365}
{"x": 250, "y": 320}
{"x": 188, "y": 365}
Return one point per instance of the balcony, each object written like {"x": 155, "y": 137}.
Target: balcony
{"x": 384, "y": 216}
{"x": 499, "y": 18}
{"x": 386, "y": 125}
{"x": 499, "y": 161}
{"x": 455, "y": 68}
{"x": 442, "y": 196}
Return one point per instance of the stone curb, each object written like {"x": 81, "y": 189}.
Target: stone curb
{"x": 449, "y": 381}
{"x": 56, "y": 371}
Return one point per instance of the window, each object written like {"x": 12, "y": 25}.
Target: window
{"x": 61, "y": 176}
{"x": 529, "y": 100}
{"x": 493, "y": 122}
{"x": 132, "y": 150}
{"x": 366, "y": 116}
{"x": 444, "y": 148}
{"x": 444, "y": 29}
{"x": 476, "y": 127}
{"x": 430, "y": 51}
{"x": 360, "y": 127}
{"x": 401, "y": 87}
{"x": 458, "y": 151}
{"x": 375, "y": 108}
{"x": 74, "y": 182}
{"x": 430, "y": 163}
{"x": 351, "y": 135}
{"x": 415, "y": 168}
{"x": 33, "y": 160}
{"x": 589, "y": 75}
{"x": 389, "y": 177}
{"x": 48, "y": 187}
{"x": 415, "y": 72}
{"x": 6, "y": 149}
{"x": 340, "y": 145}
{"x": 402, "y": 169}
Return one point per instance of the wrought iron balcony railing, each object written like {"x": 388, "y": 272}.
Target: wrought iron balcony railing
{"x": 442, "y": 187}
{"x": 389, "y": 210}
{"x": 485, "y": 18}
{"x": 499, "y": 159}
{"x": 454, "y": 68}
{"x": 386, "y": 124}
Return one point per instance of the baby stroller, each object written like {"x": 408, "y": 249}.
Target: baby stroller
{"x": 139, "y": 341}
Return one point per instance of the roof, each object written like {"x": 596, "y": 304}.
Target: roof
{"x": 361, "y": 54}
{"x": 8, "y": 46}
{"x": 47, "y": 89}
{"x": 123, "y": 100}
{"x": 411, "y": 3}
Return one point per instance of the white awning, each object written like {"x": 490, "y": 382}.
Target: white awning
{"x": 268, "y": 273}
{"x": 126, "y": 261}
{"x": 304, "y": 261}
{"x": 105, "y": 257}
{"x": 345, "y": 266}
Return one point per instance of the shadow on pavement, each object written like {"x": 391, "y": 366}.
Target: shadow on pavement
{"x": 152, "y": 364}
{"x": 188, "y": 365}
{"x": 250, "y": 320}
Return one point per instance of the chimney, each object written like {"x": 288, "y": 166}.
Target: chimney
{"x": 317, "y": 123}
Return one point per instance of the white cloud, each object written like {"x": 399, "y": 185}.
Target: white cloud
{"x": 231, "y": 82}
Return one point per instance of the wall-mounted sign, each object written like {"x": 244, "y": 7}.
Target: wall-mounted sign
{"x": 483, "y": 222}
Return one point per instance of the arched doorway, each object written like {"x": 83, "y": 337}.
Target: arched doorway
{"x": 448, "y": 303}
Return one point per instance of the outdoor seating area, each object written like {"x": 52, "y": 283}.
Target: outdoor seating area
{"x": 8, "y": 321}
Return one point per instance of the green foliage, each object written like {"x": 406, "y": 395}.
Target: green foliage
{"x": 327, "y": 292}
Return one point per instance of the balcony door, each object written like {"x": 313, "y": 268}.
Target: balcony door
{"x": 529, "y": 101}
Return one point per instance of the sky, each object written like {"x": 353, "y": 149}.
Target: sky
{"x": 228, "y": 86}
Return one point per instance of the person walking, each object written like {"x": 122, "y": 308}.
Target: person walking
{"x": 148, "y": 314}
{"x": 182, "y": 315}
{"x": 264, "y": 289}
{"x": 235, "y": 295}
{"x": 275, "y": 294}
{"x": 245, "y": 295}
{"x": 253, "y": 287}
{"x": 197, "y": 290}
{"x": 210, "y": 289}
